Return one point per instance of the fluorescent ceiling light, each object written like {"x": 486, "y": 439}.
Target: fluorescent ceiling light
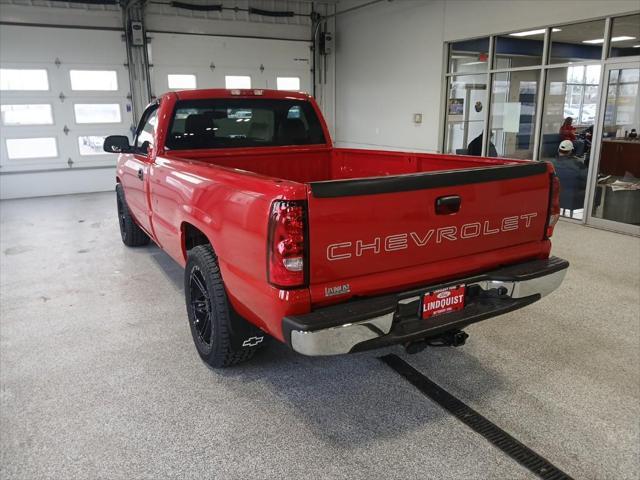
{"x": 533, "y": 32}
{"x": 613, "y": 39}
{"x": 636, "y": 46}
{"x": 474, "y": 63}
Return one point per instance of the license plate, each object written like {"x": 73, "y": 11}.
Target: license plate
{"x": 443, "y": 300}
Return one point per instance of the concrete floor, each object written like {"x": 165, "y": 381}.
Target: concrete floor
{"x": 99, "y": 377}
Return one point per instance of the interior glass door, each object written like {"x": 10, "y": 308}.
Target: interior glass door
{"x": 615, "y": 200}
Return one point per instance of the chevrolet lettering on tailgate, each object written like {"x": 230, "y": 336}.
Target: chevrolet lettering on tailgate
{"x": 402, "y": 241}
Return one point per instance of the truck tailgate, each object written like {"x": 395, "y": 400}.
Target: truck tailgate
{"x": 374, "y": 225}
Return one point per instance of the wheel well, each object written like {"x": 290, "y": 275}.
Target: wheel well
{"x": 192, "y": 237}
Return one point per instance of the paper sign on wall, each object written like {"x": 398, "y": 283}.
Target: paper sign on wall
{"x": 511, "y": 117}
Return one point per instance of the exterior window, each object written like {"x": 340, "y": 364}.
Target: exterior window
{"x": 513, "y": 114}
{"x": 16, "y": 115}
{"x": 469, "y": 56}
{"x": 23, "y": 148}
{"x": 466, "y": 105}
{"x": 181, "y": 82}
{"x": 577, "y": 43}
{"x": 97, "y": 112}
{"x": 625, "y": 36}
{"x": 288, "y": 83}
{"x": 23, "y": 79}
{"x": 237, "y": 81}
{"x": 97, "y": 80}
{"x": 91, "y": 145}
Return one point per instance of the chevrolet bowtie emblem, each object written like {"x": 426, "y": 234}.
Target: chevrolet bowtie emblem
{"x": 252, "y": 342}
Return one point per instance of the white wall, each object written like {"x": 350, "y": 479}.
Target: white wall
{"x": 389, "y": 59}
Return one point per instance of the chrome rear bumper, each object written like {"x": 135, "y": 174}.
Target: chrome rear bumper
{"x": 380, "y": 321}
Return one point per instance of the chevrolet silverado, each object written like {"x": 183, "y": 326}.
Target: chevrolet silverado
{"x": 330, "y": 250}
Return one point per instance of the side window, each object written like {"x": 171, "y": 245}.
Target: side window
{"x": 147, "y": 128}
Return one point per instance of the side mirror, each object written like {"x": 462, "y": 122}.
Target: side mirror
{"x": 117, "y": 144}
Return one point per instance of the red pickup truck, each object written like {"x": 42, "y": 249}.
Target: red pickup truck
{"x": 330, "y": 250}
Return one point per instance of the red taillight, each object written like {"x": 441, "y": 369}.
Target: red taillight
{"x": 287, "y": 244}
{"x": 554, "y": 205}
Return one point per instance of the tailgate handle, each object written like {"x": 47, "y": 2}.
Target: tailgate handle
{"x": 448, "y": 205}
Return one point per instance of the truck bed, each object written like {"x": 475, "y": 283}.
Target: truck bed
{"x": 321, "y": 164}
{"x": 387, "y": 234}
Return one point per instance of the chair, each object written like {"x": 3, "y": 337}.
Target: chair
{"x": 550, "y": 144}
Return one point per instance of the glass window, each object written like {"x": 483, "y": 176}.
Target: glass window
{"x": 469, "y": 56}
{"x": 625, "y": 36}
{"x": 91, "y": 145}
{"x": 519, "y": 49}
{"x": 22, "y": 148}
{"x": 513, "y": 112}
{"x": 617, "y": 197}
{"x": 97, "y": 112}
{"x": 23, "y": 79}
{"x": 577, "y": 43}
{"x": 36, "y": 114}
{"x": 228, "y": 123}
{"x": 237, "y": 81}
{"x": 466, "y": 102}
{"x": 180, "y": 81}
{"x": 288, "y": 83}
{"x": 570, "y": 104}
{"x": 103, "y": 80}
{"x": 148, "y": 132}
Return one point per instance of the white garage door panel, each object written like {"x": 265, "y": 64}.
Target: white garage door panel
{"x": 197, "y": 54}
{"x": 61, "y": 51}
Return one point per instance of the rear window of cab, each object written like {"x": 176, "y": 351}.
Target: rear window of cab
{"x": 228, "y": 123}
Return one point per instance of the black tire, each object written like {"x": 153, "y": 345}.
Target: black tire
{"x": 222, "y": 338}
{"x": 132, "y": 235}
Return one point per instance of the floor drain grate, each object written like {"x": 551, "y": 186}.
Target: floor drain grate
{"x": 498, "y": 437}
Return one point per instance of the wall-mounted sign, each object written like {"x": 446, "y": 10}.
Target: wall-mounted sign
{"x": 456, "y": 106}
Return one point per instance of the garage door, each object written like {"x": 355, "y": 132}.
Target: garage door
{"x": 62, "y": 91}
{"x": 199, "y": 61}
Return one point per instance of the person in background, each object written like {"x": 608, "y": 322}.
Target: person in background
{"x": 566, "y": 163}
{"x": 475, "y": 147}
{"x": 567, "y": 130}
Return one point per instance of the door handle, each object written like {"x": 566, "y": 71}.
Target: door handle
{"x": 448, "y": 205}
{"x": 140, "y": 174}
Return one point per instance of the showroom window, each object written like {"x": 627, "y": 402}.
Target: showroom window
{"x": 524, "y": 69}
{"x": 513, "y": 114}
{"x": 533, "y": 88}
{"x": 519, "y": 49}
{"x": 625, "y": 36}
{"x": 577, "y": 43}
{"x": 237, "y": 81}
{"x": 465, "y": 113}
{"x": 469, "y": 56}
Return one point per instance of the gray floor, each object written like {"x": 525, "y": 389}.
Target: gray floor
{"x": 99, "y": 377}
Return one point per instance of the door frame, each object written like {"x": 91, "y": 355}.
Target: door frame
{"x": 595, "y": 153}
